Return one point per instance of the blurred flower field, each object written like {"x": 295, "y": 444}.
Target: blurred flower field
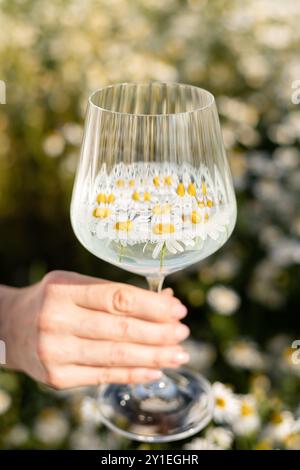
{"x": 244, "y": 301}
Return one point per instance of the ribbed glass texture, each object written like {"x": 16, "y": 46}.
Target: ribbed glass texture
{"x": 153, "y": 191}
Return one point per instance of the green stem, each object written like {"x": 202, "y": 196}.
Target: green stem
{"x": 121, "y": 252}
{"x": 162, "y": 255}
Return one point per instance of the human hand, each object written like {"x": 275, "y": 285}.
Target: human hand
{"x": 71, "y": 330}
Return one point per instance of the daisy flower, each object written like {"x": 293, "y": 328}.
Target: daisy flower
{"x": 247, "y": 421}
{"x": 226, "y": 403}
{"x": 5, "y": 401}
{"x": 244, "y": 354}
{"x": 220, "y": 437}
{"x": 223, "y": 300}
{"x": 201, "y": 443}
{"x": 280, "y": 426}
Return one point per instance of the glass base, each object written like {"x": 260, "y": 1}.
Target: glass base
{"x": 176, "y": 407}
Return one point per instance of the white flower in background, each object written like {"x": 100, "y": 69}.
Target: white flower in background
{"x": 288, "y": 361}
{"x": 223, "y": 300}
{"x": 54, "y": 144}
{"x": 278, "y": 343}
{"x": 51, "y": 426}
{"x": 5, "y": 401}
{"x": 226, "y": 403}
{"x": 283, "y": 355}
{"x": 17, "y": 435}
{"x": 244, "y": 354}
{"x": 226, "y": 267}
{"x": 85, "y": 438}
{"x": 89, "y": 411}
{"x": 199, "y": 443}
{"x": 202, "y": 354}
{"x": 292, "y": 441}
{"x": 280, "y": 427}
{"x": 73, "y": 133}
{"x": 221, "y": 437}
{"x": 247, "y": 421}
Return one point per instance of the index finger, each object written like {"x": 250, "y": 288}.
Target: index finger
{"x": 123, "y": 299}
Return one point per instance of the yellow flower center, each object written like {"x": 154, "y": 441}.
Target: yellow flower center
{"x": 120, "y": 183}
{"x": 209, "y": 203}
{"x": 288, "y": 355}
{"x": 124, "y": 226}
{"x": 131, "y": 183}
{"x": 201, "y": 204}
{"x": 160, "y": 210}
{"x": 136, "y": 196}
{"x": 195, "y": 217}
{"x": 168, "y": 180}
{"x": 277, "y": 418}
{"x": 160, "y": 229}
{"x": 101, "y": 212}
{"x": 246, "y": 409}
{"x": 111, "y": 198}
{"x": 206, "y": 216}
{"x": 204, "y": 190}
{"x": 147, "y": 196}
{"x": 220, "y": 402}
{"x": 156, "y": 181}
{"x": 101, "y": 198}
{"x": 192, "y": 189}
{"x": 180, "y": 190}
{"x": 263, "y": 445}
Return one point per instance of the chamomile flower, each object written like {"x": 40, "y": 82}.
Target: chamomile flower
{"x": 247, "y": 421}
{"x": 220, "y": 436}
{"x": 200, "y": 443}
{"x": 5, "y": 401}
{"x": 223, "y": 300}
{"x": 280, "y": 426}
{"x": 226, "y": 403}
{"x": 89, "y": 411}
{"x": 244, "y": 354}
{"x": 169, "y": 206}
{"x": 120, "y": 227}
{"x": 51, "y": 426}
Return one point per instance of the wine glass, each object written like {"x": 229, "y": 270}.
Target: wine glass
{"x": 153, "y": 194}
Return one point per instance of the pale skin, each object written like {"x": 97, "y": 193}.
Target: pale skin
{"x": 70, "y": 330}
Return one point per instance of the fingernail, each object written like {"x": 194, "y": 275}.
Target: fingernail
{"x": 178, "y": 310}
{"x": 170, "y": 291}
{"x": 181, "y": 357}
{"x": 154, "y": 375}
{"x": 181, "y": 332}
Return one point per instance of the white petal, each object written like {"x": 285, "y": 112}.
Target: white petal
{"x": 214, "y": 234}
{"x": 221, "y": 228}
{"x": 177, "y": 246}
{"x": 157, "y": 249}
{"x": 188, "y": 242}
{"x": 170, "y": 247}
{"x": 100, "y": 230}
{"x": 202, "y": 233}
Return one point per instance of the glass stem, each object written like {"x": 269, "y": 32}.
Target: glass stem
{"x": 155, "y": 283}
{"x": 159, "y": 389}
